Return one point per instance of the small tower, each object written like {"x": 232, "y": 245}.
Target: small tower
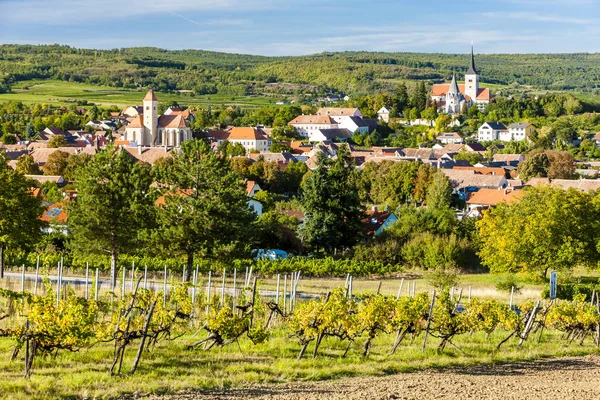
{"x": 454, "y": 98}
{"x": 150, "y": 119}
{"x": 472, "y": 80}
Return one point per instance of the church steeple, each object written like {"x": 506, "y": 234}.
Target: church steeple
{"x": 453, "y": 86}
{"x": 472, "y": 70}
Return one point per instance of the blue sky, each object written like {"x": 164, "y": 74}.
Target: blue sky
{"x": 294, "y": 27}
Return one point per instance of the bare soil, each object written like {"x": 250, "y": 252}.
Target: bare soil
{"x": 560, "y": 378}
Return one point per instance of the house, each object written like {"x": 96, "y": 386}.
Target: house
{"x": 377, "y": 221}
{"x": 450, "y": 138}
{"x": 150, "y": 129}
{"x": 331, "y": 134}
{"x": 250, "y": 138}
{"x": 217, "y": 136}
{"x": 354, "y": 124}
{"x": 383, "y": 114}
{"x": 41, "y": 179}
{"x": 132, "y": 111}
{"x": 596, "y": 139}
{"x": 475, "y": 148}
{"x": 490, "y": 131}
{"x": 466, "y": 181}
{"x": 309, "y": 125}
{"x": 251, "y": 189}
{"x": 486, "y": 198}
{"x": 56, "y": 217}
{"x": 508, "y": 159}
{"x": 452, "y": 98}
{"x": 519, "y": 131}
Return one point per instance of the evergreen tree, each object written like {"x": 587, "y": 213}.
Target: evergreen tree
{"x": 30, "y": 131}
{"x": 112, "y": 207}
{"x": 204, "y": 209}
{"x": 401, "y": 100}
{"x": 332, "y": 209}
{"x": 20, "y": 225}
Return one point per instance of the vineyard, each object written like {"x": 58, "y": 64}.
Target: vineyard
{"x": 131, "y": 326}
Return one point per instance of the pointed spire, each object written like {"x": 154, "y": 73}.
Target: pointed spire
{"x": 453, "y": 86}
{"x": 150, "y": 96}
{"x": 472, "y": 70}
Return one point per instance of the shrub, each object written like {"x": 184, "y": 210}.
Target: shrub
{"x": 506, "y": 282}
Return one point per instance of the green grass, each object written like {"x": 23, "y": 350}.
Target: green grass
{"x": 61, "y": 92}
{"x": 171, "y": 368}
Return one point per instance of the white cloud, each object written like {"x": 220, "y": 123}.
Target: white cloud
{"x": 531, "y": 16}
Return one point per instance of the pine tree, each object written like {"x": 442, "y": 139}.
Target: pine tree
{"x": 113, "y": 205}
{"x": 332, "y": 209}
{"x": 204, "y": 209}
{"x": 20, "y": 225}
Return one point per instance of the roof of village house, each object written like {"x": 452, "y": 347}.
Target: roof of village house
{"x": 374, "y": 220}
{"x": 453, "y": 147}
{"x": 217, "y": 134}
{"x": 478, "y": 147}
{"x": 440, "y": 89}
{"x": 246, "y": 133}
{"x": 283, "y": 157}
{"x": 358, "y": 121}
{"x": 55, "y": 213}
{"x": 149, "y": 155}
{"x": 162, "y": 200}
{"x": 250, "y": 187}
{"x": 54, "y": 130}
{"x": 519, "y": 125}
{"x": 312, "y": 119}
{"x": 46, "y": 178}
{"x": 449, "y": 135}
{"x": 422, "y": 153}
{"x": 483, "y": 170}
{"x": 335, "y": 133}
{"x": 40, "y": 155}
{"x": 337, "y": 111}
{"x": 585, "y": 185}
{"x": 495, "y": 125}
{"x": 507, "y": 157}
{"x": 150, "y": 96}
{"x": 492, "y": 197}
{"x": 468, "y": 178}
{"x": 12, "y": 147}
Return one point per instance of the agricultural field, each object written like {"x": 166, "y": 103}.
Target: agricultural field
{"x": 257, "y": 350}
{"x": 66, "y": 93}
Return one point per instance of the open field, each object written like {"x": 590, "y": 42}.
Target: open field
{"x": 571, "y": 378}
{"x": 61, "y": 92}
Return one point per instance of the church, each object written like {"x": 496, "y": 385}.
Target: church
{"x": 451, "y": 98}
{"x": 149, "y": 129}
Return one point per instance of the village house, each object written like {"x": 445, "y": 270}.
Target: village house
{"x": 450, "y": 138}
{"x": 377, "y": 221}
{"x": 332, "y": 123}
{"x": 490, "y": 131}
{"x": 383, "y": 114}
{"x": 486, "y": 198}
{"x": 518, "y": 132}
{"x": 253, "y": 139}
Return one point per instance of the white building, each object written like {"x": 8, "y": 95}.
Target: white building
{"x": 250, "y": 138}
{"x": 309, "y": 125}
{"x": 383, "y": 114}
{"x": 148, "y": 129}
{"x": 450, "y": 138}
{"x": 520, "y": 131}
{"x": 338, "y": 113}
{"x": 490, "y": 131}
{"x": 354, "y": 124}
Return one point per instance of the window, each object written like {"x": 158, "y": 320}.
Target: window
{"x": 147, "y": 108}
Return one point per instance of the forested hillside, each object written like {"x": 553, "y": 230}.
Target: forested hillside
{"x": 205, "y": 72}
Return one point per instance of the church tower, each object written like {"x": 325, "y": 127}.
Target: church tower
{"x": 454, "y": 98}
{"x": 150, "y": 119}
{"x": 472, "y": 80}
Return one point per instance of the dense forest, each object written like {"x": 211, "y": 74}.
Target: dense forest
{"x": 205, "y": 72}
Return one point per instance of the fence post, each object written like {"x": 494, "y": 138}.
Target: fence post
{"x": 87, "y": 275}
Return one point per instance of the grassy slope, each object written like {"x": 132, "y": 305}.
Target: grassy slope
{"x": 60, "y": 92}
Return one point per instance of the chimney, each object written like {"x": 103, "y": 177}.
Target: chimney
{"x": 139, "y": 150}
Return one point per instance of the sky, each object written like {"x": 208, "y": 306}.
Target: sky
{"x": 297, "y": 27}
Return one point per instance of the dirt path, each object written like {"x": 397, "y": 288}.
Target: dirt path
{"x": 562, "y": 378}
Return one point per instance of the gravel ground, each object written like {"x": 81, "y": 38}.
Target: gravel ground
{"x": 561, "y": 378}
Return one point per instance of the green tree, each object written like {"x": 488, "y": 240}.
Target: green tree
{"x": 439, "y": 193}
{"x": 401, "y": 100}
{"x": 76, "y": 161}
{"x": 547, "y": 229}
{"x": 56, "y": 164}
{"x": 57, "y": 141}
{"x": 27, "y": 166}
{"x": 9, "y": 138}
{"x": 332, "y": 209}
{"x": 29, "y": 131}
{"x": 113, "y": 205}
{"x": 535, "y": 165}
{"x": 20, "y": 225}
{"x": 205, "y": 210}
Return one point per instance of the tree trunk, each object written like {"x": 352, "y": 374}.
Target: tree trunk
{"x": 190, "y": 266}
{"x": 113, "y": 269}
{"x": 1, "y": 261}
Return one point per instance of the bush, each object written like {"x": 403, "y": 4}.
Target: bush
{"x": 444, "y": 279}
{"x": 568, "y": 291}
{"x": 506, "y": 282}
